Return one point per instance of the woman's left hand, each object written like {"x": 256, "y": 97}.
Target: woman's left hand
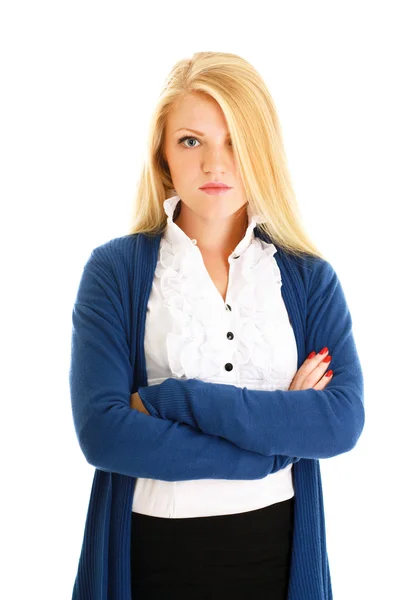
{"x": 137, "y": 403}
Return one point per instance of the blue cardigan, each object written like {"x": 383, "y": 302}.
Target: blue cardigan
{"x": 201, "y": 430}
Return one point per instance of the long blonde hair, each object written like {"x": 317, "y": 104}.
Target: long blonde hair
{"x": 247, "y": 105}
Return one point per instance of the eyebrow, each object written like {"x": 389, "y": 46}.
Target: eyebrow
{"x": 194, "y": 131}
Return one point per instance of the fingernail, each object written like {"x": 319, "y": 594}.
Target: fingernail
{"x": 311, "y": 354}
{"x": 323, "y": 350}
{"x": 327, "y": 359}
{"x": 328, "y": 373}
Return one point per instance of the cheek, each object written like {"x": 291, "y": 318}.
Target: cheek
{"x": 185, "y": 166}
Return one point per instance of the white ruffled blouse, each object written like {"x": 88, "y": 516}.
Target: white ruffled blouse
{"x": 247, "y": 341}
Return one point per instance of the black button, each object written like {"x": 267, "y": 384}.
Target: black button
{"x": 228, "y": 366}
{"x": 230, "y": 335}
{"x": 228, "y": 307}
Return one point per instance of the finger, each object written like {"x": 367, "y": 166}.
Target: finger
{"x": 325, "y": 379}
{"x": 318, "y": 372}
{"x": 307, "y": 368}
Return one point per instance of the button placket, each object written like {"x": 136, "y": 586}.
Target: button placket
{"x": 230, "y": 336}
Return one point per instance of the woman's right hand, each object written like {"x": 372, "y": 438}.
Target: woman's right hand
{"x": 312, "y": 373}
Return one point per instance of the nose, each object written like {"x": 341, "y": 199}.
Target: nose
{"x": 216, "y": 160}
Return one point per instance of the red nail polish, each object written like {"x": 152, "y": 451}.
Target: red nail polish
{"x": 327, "y": 359}
{"x": 328, "y": 373}
{"x": 311, "y": 354}
{"x": 323, "y": 350}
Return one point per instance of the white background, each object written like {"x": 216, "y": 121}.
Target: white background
{"x": 78, "y": 84}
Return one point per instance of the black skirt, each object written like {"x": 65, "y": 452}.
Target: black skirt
{"x": 241, "y": 556}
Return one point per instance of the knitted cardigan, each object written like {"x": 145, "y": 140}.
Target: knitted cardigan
{"x": 199, "y": 430}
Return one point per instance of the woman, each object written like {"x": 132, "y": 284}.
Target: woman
{"x": 213, "y": 363}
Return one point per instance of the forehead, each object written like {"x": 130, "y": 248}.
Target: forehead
{"x": 197, "y": 111}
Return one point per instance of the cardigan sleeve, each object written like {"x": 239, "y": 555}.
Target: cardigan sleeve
{"x": 113, "y": 436}
{"x": 307, "y": 423}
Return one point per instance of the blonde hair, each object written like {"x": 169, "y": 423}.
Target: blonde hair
{"x": 246, "y": 102}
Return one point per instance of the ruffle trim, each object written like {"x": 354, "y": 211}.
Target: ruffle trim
{"x": 193, "y": 348}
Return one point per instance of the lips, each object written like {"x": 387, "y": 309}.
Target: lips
{"x": 208, "y": 186}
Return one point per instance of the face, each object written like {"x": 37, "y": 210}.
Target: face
{"x": 202, "y": 157}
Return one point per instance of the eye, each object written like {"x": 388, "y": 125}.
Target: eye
{"x": 187, "y": 137}
{"x": 190, "y": 137}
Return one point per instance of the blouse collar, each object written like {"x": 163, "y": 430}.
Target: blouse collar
{"x": 176, "y": 236}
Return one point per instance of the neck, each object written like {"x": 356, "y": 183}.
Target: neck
{"x": 218, "y": 237}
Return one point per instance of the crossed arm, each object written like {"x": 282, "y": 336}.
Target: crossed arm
{"x": 112, "y": 436}
{"x": 299, "y": 423}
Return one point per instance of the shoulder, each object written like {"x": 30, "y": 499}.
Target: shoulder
{"x": 301, "y": 270}
{"x": 124, "y": 260}
{"x": 116, "y": 249}
{"x": 121, "y": 255}
{"x": 312, "y": 272}
{"x": 110, "y": 264}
